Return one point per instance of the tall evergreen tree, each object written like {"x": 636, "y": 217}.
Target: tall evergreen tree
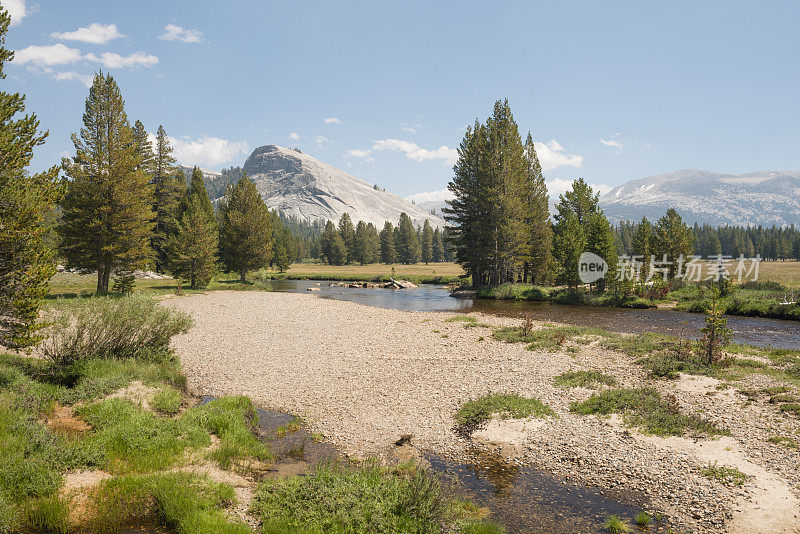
{"x": 388, "y": 254}
{"x": 407, "y": 246}
{"x": 540, "y": 240}
{"x": 427, "y": 242}
{"x": 333, "y": 248}
{"x": 245, "y": 229}
{"x": 373, "y": 243}
{"x": 439, "y": 254}
{"x": 600, "y": 240}
{"x": 26, "y": 205}
{"x": 169, "y": 185}
{"x": 569, "y": 242}
{"x": 144, "y": 149}
{"x": 642, "y": 245}
{"x": 192, "y": 247}
{"x": 580, "y": 200}
{"x": 107, "y": 211}
{"x": 348, "y": 232}
{"x": 673, "y": 240}
{"x": 362, "y": 249}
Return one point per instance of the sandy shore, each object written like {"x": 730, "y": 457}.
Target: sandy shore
{"x": 363, "y": 376}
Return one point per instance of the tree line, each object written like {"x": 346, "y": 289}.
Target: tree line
{"x": 362, "y": 243}
{"x": 775, "y": 243}
{"x": 501, "y": 228}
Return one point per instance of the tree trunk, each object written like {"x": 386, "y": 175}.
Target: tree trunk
{"x": 243, "y": 276}
{"x": 103, "y": 276}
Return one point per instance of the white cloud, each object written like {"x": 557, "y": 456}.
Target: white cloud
{"x": 552, "y": 155}
{"x": 94, "y": 33}
{"x": 331, "y": 120}
{"x": 112, "y": 60}
{"x": 173, "y": 32}
{"x": 557, "y": 186}
{"x": 294, "y": 136}
{"x": 16, "y": 9}
{"x": 410, "y": 128}
{"x": 47, "y": 56}
{"x": 357, "y": 153}
{"x": 612, "y": 143}
{"x": 59, "y": 54}
{"x": 321, "y": 141}
{"x": 207, "y": 151}
{"x": 414, "y": 152}
{"x": 431, "y": 196}
{"x": 85, "y": 79}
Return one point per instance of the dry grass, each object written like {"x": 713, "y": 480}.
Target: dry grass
{"x": 786, "y": 273}
{"x": 377, "y": 269}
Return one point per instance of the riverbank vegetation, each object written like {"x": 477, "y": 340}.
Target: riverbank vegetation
{"x": 475, "y": 413}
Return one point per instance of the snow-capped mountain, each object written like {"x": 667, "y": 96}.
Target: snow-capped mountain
{"x": 300, "y": 185}
{"x": 765, "y": 198}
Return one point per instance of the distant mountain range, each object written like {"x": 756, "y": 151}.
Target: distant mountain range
{"x": 758, "y": 198}
{"x": 299, "y": 185}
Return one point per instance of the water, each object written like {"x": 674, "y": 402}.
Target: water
{"x": 526, "y": 499}
{"x": 747, "y": 330}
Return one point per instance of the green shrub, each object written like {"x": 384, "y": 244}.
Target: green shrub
{"x": 46, "y": 514}
{"x": 791, "y": 408}
{"x": 615, "y": 525}
{"x": 462, "y": 319}
{"x": 106, "y": 327}
{"x": 646, "y": 409}
{"x": 642, "y": 519}
{"x": 475, "y": 413}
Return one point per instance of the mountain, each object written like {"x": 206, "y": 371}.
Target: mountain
{"x": 299, "y": 185}
{"x": 758, "y": 198}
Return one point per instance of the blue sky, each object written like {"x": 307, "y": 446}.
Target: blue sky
{"x": 611, "y": 91}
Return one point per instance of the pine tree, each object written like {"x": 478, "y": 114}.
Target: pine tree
{"x": 245, "y": 229}
{"x": 373, "y": 243}
{"x": 600, "y": 241}
{"x": 144, "y": 149}
{"x": 438, "y": 247}
{"x": 569, "y": 242}
{"x": 362, "y": 249}
{"x": 580, "y": 200}
{"x": 332, "y": 244}
{"x": 192, "y": 247}
{"x": 539, "y": 247}
{"x": 641, "y": 245}
{"x": 427, "y": 242}
{"x": 26, "y": 206}
{"x": 407, "y": 246}
{"x": 107, "y": 211}
{"x": 673, "y": 240}
{"x": 169, "y": 187}
{"x": 388, "y": 254}
{"x": 348, "y": 232}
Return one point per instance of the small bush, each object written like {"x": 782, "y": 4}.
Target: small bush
{"x": 642, "y": 519}
{"x": 111, "y": 328}
{"x": 789, "y": 443}
{"x": 791, "y": 408}
{"x": 646, "y": 409}
{"x": 462, "y": 319}
{"x": 586, "y": 379}
{"x": 475, "y": 413}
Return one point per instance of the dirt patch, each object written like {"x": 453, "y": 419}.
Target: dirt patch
{"x": 64, "y": 423}
{"x": 136, "y": 392}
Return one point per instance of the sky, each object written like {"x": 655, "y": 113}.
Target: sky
{"x": 611, "y": 91}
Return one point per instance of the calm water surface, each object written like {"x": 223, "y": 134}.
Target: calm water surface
{"x": 750, "y": 330}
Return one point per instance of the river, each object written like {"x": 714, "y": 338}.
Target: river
{"x": 746, "y": 330}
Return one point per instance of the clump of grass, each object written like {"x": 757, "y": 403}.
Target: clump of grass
{"x": 781, "y": 440}
{"x": 726, "y": 475}
{"x": 547, "y": 339}
{"x": 167, "y": 401}
{"x": 586, "y": 379}
{"x": 186, "y": 502}
{"x": 783, "y": 397}
{"x": 642, "y": 519}
{"x": 477, "y": 412}
{"x": 462, "y": 319}
{"x": 368, "y": 497}
{"x": 775, "y": 390}
{"x": 644, "y": 408}
{"x": 614, "y": 524}
{"x": 791, "y": 408}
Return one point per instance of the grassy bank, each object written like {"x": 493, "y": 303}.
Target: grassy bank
{"x": 420, "y": 273}
{"x": 752, "y": 299}
{"x": 98, "y": 434}
{"x": 556, "y": 295}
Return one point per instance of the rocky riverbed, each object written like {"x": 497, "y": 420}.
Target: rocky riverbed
{"x": 364, "y": 376}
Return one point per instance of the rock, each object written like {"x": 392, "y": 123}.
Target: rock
{"x": 313, "y": 289}
{"x": 404, "y": 438}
